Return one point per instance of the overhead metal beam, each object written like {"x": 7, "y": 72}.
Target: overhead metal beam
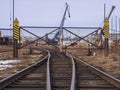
{"x": 52, "y": 27}
{"x": 59, "y": 27}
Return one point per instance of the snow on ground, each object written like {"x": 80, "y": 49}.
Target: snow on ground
{"x": 4, "y": 64}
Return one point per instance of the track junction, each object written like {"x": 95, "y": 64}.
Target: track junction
{"x": 60, "y": 71}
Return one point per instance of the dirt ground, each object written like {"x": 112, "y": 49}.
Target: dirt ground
{"x": 109, "y": 64}
{"x": 24, "y": 59}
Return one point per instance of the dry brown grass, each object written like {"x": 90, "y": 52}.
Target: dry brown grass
{"x": 110, "y": 64}
{"x": 25, "y": 60}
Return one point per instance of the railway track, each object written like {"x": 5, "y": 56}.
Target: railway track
{"x": 58, "y": 71}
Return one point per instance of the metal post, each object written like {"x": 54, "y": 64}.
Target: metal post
{"x": 30, "y": 49}
{"x": 13, "y": 10}
{"x": 62, "y": 39}
{"x": 106, "y": 36}
{"x": 14, "y": 41}
{"x": 119, "y": 43}
{"x": 104, "y": 11}
{"x": 119, "y": 30}
{"x": 106, "y": 47}
{"x": 15, "y": 53}
{"x": 16, "y": 37}
{"x": 116, "y": 28}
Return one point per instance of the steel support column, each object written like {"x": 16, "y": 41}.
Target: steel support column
{"x": 16, "y": 37}
{"x": 15, "y": 52}
{"x": 106, "y": 50}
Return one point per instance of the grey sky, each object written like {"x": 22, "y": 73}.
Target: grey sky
{"x": 50, "y": 12}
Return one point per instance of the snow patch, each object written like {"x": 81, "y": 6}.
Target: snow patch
{"x": 4, "y": 64}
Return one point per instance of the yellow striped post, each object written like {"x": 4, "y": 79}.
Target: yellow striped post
{"x": 106, "y": 29}
{"x": 106, "y": 36}
{"x": 16, "y": 36}
{"x": 16, "y": 33}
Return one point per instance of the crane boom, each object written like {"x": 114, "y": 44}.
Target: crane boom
{"x": 59, "y": 35}
{"x": 113, "y": 7}
{"x": 61, "y": 27}
{"x": 63, "y": 18}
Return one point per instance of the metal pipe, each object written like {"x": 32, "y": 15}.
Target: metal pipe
{"x": 59, "y": 27}
{"x": 104, "y": 11}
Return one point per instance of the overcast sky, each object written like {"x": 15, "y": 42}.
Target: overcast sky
{"x": 50, "y": 12}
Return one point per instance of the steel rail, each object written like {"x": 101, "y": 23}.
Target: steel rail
{"x": 109, "y": 78}
{"x": 48, "y": 82}
{"x": 73, "y": 80}
{"x": 13, "y": 77}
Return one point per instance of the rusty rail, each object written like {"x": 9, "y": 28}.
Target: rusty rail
{"x": 109, "y": 78}
{"x": 48, "y": 82}
{"x": 73, "y": 79}
{"x": 13, "y": 77}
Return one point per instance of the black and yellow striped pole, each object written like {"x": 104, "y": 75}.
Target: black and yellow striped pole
{"x": 16, "y": 36}
{"x": 106, "y": 36}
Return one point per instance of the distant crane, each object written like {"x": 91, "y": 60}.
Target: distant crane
{"x": 57, "y": 39}
{"x": 113, "y": 7}
{"x": 61, "y": 27}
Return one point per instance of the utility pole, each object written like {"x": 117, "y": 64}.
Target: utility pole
{"x": 119, "y": 30}
{"x": 104, "y": 11}
{"x": 14, "y": 41}
{"x": 16, "y": 34}
{"x": 106, "y": 33}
